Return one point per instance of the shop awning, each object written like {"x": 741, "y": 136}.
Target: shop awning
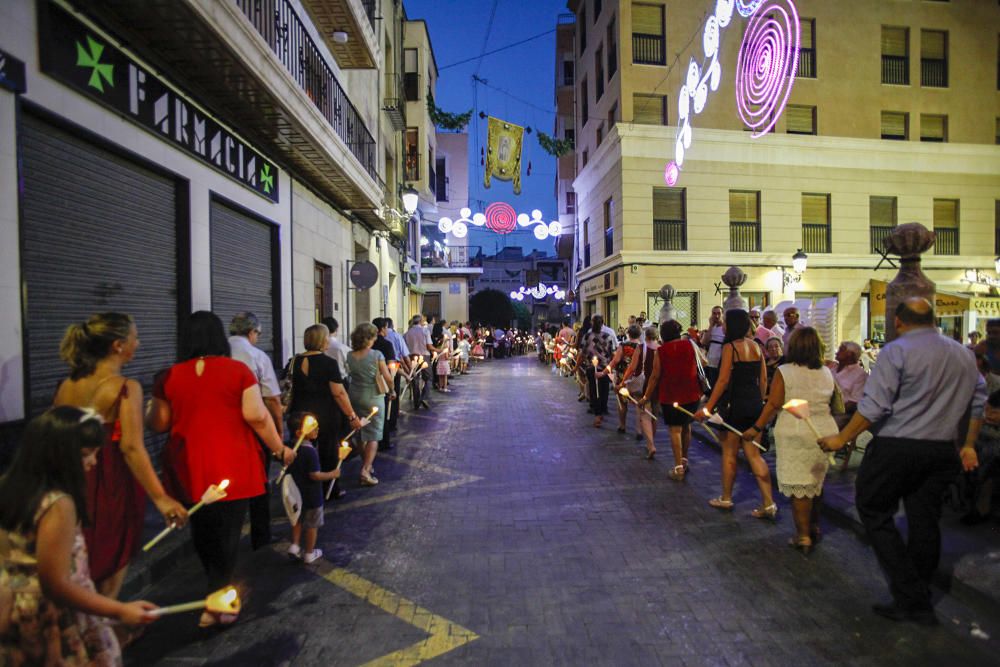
{"x": 946, "y": 304}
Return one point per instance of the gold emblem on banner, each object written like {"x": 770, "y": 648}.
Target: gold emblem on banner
{"x": 503, "y": 153}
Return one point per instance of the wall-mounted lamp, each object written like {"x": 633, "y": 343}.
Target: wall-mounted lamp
{"x": 410, "y": 199}
{"x": 799, "y": 262}
{"x": 340, "y": 37}
{"x": 996, "y": 264}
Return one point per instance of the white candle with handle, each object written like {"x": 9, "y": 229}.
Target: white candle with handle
{"x": 625, "y": 392}
{"x": 222, "y": 601}
{"x": 309, "y": 425}
{"x": 364, "y": 422}
{"x": 799, "y": 409}
{"x": 342, "y": 453}
{"x": 212, "y": 494}
{"x": 716, "y": 419}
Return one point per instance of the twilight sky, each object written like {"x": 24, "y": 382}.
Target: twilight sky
{"x": 525, "y": 74}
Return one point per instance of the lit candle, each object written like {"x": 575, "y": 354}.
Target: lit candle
{"x": 717, "y": 419}
{"x": 309, "y": 425}
{"x": 799, "y": 409}
{"x": 212, "y": 494}
{"x": 223, "y": 601}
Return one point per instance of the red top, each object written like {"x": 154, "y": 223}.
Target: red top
{"x": 678, "y": 373}
{"x": 209, "y": 439}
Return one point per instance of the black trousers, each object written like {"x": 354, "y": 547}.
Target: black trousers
{"x": 393, "y": 415}
{"x": 260, "y": 509}
{"x": 215, "y": 532}
{"x": 599, "y": 388}
{"x": 384, "y": 442}
{"x": 916, "y": 472}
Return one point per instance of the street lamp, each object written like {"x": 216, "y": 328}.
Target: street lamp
{"x": 410, "y": 199}
{"x": 799, "y": 262}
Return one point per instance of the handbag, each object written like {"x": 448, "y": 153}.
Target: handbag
{"x": 286, "y": 385}
{"x": 837, "y": 406}
{"x": 703, "y": 382}
{"x": 381, "y": 386}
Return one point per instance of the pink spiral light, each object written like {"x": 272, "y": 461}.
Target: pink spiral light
{"x": 501, "y": 217}
{"x": 767, "y": 63}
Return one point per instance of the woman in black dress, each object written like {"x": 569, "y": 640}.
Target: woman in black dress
{"x": 318, "y": 388}
{"x": 739, "y": 394}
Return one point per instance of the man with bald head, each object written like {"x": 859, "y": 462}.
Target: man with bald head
{"x": 915, "y": 403}
{"x": 791, "y": 317}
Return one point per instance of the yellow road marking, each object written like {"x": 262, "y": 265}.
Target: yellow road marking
{"x": 443, "y": 636}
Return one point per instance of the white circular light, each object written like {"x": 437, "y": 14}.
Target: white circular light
{"x": 460, "y": 230}
{"x": 522, "y": 219}
{"x": 465, "y": 212}
{"x": 479, "y": 219}
{"x": 541, "y": 232}
{"x": 694, "y": 74}
{"x": 555, "y": 229}
{"x": 424, "y": 241}
{"x": 445, "y": 225}
{"x": 536, "y": 215}
{"x": 513, "y": 295}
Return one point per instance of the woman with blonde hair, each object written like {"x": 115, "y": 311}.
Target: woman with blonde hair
{"x": 117, "y": 487}
{"x": 367, "y": 366}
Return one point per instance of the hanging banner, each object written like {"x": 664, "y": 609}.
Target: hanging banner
{"x": 503, "y": 153}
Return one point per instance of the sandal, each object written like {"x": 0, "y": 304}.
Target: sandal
{"x": 598, "y": 420}
{"x": 650, "y": 455}
{"x": 677, "y": 474}
{"x": 684, "y": 462}
{"x": 769, "y": 512}
{"x": 803, "y": 544}
{"x": 720, "y": 504}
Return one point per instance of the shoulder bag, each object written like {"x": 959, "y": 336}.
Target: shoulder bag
{"x": 703, "y": 382}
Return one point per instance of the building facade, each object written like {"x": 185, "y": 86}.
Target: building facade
{"x": 164, "y": 157}
{"x": 894, "y": 117}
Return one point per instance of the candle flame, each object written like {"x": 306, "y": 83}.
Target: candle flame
{"x": 676, "y": 404}
{"x": 593, "y": 360}
{"x": 374, "y": 410}
{"x": 223, "y": 601}
{"x": 309, "y": 424}
{"x": 623, "y": 391}
{"x": 794, "y": 403}
{"x": 223, "y": 485}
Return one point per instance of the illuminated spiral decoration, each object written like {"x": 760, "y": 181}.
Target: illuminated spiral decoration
{"x": 501, "y": 217}
{"x": 767, "y": 63}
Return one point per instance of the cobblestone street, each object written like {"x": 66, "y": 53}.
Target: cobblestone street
{"x": 508, "y": 531}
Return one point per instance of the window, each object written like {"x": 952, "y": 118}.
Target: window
{"x": 584, "y": 110}
{"x": 612, "y": 42}
{"x": 758, "y": 299}
{"x": 934, "y": 58}
{"x": 586, "y": 242}
{"x": 569, "y": 134}
{"x": 800, "y": 119}
{"x": 411, "y": 76}
{"x": 649, "y": 109}
{"x": 584, "y": 158}
{"x": 815, "y": 222}
{"x": 322, "y": 291}
{"x": 599, "y": 135}
{"x": 599, "y": 72}
{"x": 744, "y": 221}
{"x": 412, "y": 168}
{"x": 612, "y": 116}
{"x": 996, "y": 227}
{"x": 807, "y": 49}
{"x": 685, "y": 303}
{"x": 946, "y": 226}
{"x": 570, "y": 202}
{"x": 568, "y": 72}
{"x": 669, "y": 219}
{"x": 895, "y": 125}
{"x": 442, "y": 179}
{"x": 933, "y": 128}
{"x": 432, "y": 305}
{"x": 896, "y": 55}
{"x": 997, "y": 132}
{"x": 881, "y": 221}
{"x": 431, "y": 174}
{"x": 609, "y": 227}
{"x": 649, "y": 46}
{"x": 581, "y": 25}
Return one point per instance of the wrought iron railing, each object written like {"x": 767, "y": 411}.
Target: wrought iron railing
{"x": 946, "y": 242}
{"x": 669, "y": 235}
{"x": 807, "y": 64}
{"x": 896, "y": 70}
{"x": 744, "y": 236}
{"x": 280, "y": 26}
{"x": 815, "y": 238}
{"x": 649, "y": 49}
{"x": 933, "y": 73}
{"x": 878, "y": 234}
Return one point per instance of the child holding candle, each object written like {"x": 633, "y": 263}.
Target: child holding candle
{"x": 306, "y": 472}
{"x": 45, "y": 586}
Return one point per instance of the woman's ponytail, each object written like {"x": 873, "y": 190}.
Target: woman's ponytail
{"x": 86, "y": 343}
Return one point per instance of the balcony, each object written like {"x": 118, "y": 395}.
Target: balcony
{"x": 393, "y": 104}
{"x": 947, "y": 241}
{"x": 816, "y": 238}
{"x": 354, "y": 17}
{"x": 451, "y": 257}
{"x": 878, "y": 234}
{"x": 896, "y": 70}
{"x": 253, "y": 64}
{"x": 744, "y": 236}
{"x": 669, "y": 235}
{"x": 807, "y": 64}
{"x": 933, "y": 73}
{"x": 649, "y": 49}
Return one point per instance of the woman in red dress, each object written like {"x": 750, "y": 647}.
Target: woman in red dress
{"x": 96, "y": 351}
{"x": 212, "y": 407}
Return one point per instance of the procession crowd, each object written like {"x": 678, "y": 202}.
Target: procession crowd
{"x": 73, "y": 500}
{"x": 927, "y": 406}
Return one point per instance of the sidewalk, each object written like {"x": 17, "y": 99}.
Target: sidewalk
{"x": 970, "y": 555}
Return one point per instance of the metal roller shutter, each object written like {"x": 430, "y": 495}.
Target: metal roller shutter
{"x": 99, "y": 234}
{"x": 242, "y": 275}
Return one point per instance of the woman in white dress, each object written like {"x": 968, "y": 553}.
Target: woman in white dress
{"x": 801, "y": 464}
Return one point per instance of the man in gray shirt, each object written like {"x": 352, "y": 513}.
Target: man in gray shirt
{"x": 916, "y": 402}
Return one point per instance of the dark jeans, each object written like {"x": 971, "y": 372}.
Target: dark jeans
{"x": 421, "y": 383}
{"x": 599, "y": 388}
{"x": 916, "y": 472}
{"x": 384, "y": 442}
{"x": 215, "y": 532}
{"x": 260, "y": 511}
{"x": 393, "y": 415}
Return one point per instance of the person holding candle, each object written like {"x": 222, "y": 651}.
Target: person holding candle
{"x": 598, "y": 347}
{"x": 620, "y": 362}
{"x": 739, "y": 392}
{"x": 674, "y": 381}
{"x": 383, "y": 345}
{"x": 309, "y": 478}
{"x": 211, "y": 405}
{"x": 800, "y": 465}
{"x": 319, "y": 390}
{"x": 96, "y": 351}
{"x": 50, "y": 611}
{"x": 367, "y": 366}
{"x": 636, "y": 381}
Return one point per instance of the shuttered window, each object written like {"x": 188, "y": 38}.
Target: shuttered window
{"x": 649, "y": 109}
{"x": 807, "y": 49}
{"x": 894, "y": 41}
{"x": 895, "y": 125}
{"x": 647, "y": 19}
{"x": 882, "y": 211}
{"x": 933, "y": 44}
{"x": 933, "y": 128}
{"x": 815, "y": 222}
{"x": 800, "y": 119}
{"x": 669, "y": 219}
{"x": 668, "y": 204}
{"x": 946, "y": 226}
{"x": 744, "y": 206}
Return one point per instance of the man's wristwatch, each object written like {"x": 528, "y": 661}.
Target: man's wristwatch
{"x": 756, "y": 429}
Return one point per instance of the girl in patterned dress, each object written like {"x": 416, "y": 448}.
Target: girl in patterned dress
{"x": 50, "y": 612}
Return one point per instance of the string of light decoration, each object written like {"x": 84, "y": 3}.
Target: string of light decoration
{"x": 539, "y": 291}
{"x": 501, "y": 218}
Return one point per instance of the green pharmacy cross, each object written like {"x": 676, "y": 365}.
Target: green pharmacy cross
{"x": 92, "y": 59}
{"x": 267, "y": 178}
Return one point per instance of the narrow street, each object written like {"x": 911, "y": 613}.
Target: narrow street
{"x": 508, "y": 531}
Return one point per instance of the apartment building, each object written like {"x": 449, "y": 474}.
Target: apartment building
{"x": 894, "y": 117}
{"x": 564, "y": 128}
{"x": 162, "y": 157}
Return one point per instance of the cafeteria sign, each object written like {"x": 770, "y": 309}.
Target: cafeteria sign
{"x": 86, "y": 60}
{"x": 987, "y": 307}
